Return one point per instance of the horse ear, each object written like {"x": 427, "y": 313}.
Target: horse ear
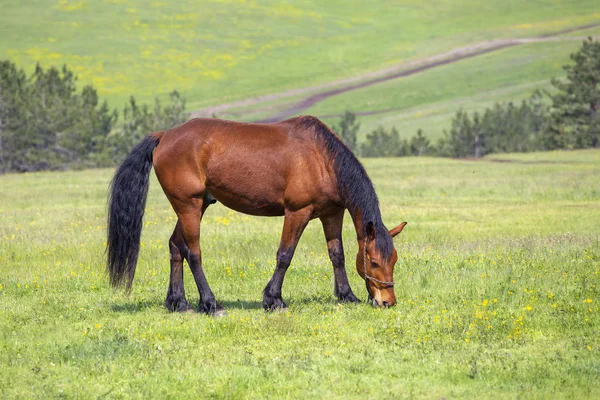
{"x": 398, "y": 229}
{"x": 370, "y": 231}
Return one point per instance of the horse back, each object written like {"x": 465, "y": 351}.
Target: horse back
{"x": 259, "y": 169}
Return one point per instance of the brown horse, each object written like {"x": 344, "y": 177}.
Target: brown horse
{"x": 296, "y": 168}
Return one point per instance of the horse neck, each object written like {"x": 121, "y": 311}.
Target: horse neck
{"x": 360, "y": 219}
{"x": 359, "y": 198}
{"x": 383, "y": 240}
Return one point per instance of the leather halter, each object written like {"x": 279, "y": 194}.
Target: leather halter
{"x": 386, "y": 284}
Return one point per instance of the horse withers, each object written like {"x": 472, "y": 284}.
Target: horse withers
{"x": 297, "y": 168}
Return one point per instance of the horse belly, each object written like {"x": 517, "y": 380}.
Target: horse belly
{"x": 254, "y": 192}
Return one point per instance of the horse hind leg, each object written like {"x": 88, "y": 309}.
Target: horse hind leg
{"x": 190, "y": 216}
{"x": 176, "y": 300}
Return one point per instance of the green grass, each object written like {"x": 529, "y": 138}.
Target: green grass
{"x": 218, "y": 51}
{"x": 497, "y": 288}
{"x": 430, "y": 100}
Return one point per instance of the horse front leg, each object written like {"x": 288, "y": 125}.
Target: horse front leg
{"x": 293, "y": 226}
{"x": 176, "y": 300}
{"x": 332, "y": 226}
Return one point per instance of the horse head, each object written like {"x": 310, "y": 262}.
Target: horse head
{"x": 375, "y": 268}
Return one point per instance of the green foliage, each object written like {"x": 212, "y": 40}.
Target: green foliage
{"x": 45, "y": 123}
{"x": 460, "y": 141}
{"x": 138, "y": 121}
{"x": 347, "y": 128}
{"x": 12, "y": 87}
{"x": 576, "y": 106}
{"x": 572, "y": 122}
{"x": 381, "y": 143}
{"x": 501, "y": 129}
{"x": 420, "y": 145}
{"x": 497, "y": 286}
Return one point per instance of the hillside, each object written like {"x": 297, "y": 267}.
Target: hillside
{"x": 222, "y": 51}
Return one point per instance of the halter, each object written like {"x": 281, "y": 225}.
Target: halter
{"x": 386, "y": 284}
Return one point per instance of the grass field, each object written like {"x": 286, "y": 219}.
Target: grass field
{"x": 218, "y": 51}
{"x": 497, "y": 288}
{"x": 428, "y": 100}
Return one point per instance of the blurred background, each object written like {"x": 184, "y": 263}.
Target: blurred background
{"x": 393, "y": 78}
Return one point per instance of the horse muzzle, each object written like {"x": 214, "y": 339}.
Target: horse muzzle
{"x": 377, "y": 304}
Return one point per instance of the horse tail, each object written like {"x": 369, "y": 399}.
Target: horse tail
{"x": 126, "y": 202}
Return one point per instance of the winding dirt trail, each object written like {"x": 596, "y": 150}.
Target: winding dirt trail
{"x": 375, "y": 77}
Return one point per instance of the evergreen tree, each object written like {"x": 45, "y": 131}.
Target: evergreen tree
{"x": 419, "y": 145}
{"x": 139, "y": 121}
{"x": 576, "y": 106}
{"x": 46, "y": 123}
{"x": 381, "y": 143}
{"x": 460, "y": 140}
{"x": 347, "y": 128}
{"x": 13, "y": 97}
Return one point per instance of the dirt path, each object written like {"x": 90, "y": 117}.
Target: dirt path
{"x": 372, "y": 78}
{"x": 403, "y": 111}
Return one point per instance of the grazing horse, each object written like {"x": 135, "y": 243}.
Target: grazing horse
{"x": 297, "y": 168}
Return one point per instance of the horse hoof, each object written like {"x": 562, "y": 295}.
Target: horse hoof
{"x": 211, "y": 308}
{"x": 185, "y": 308}
{"x": 349, "y": 298}
{"x": 220, "y": 313}
{"x": 180, "y": 305}
{"x": 274, "y": 304}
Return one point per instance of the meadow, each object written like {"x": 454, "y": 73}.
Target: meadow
{"x": 224, "y": 50}
{"x": 497, "y": 287}
{"x": 429, "y": 100}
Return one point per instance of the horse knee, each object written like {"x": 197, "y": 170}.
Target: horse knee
{"x": 336, "y": 255}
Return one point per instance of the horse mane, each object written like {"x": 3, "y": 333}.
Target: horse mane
{"x": 354, "y": 185}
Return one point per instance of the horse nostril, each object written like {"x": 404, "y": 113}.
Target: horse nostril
{"x": 386, "y": 304}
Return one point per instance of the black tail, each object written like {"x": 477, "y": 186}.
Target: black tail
{"x": 126, "y": 203}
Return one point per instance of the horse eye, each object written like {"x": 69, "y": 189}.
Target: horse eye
{"x": 374, "y": 264}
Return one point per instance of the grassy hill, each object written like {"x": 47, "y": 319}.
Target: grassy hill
{"x": 430, "y": 99}
{"x": 220, "y": 51}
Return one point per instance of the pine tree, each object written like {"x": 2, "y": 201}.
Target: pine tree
{"x": 381, "y": 143}
{"x": 576, "y": 106}
{"x": 419, "y": 144}
{"x": 348, "y": 128}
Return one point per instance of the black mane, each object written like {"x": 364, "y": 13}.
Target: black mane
{"x": 355, "y": 187}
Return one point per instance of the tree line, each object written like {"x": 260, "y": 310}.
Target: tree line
{"x": 47, "y": 124}
{"x": 567, "y": 119}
